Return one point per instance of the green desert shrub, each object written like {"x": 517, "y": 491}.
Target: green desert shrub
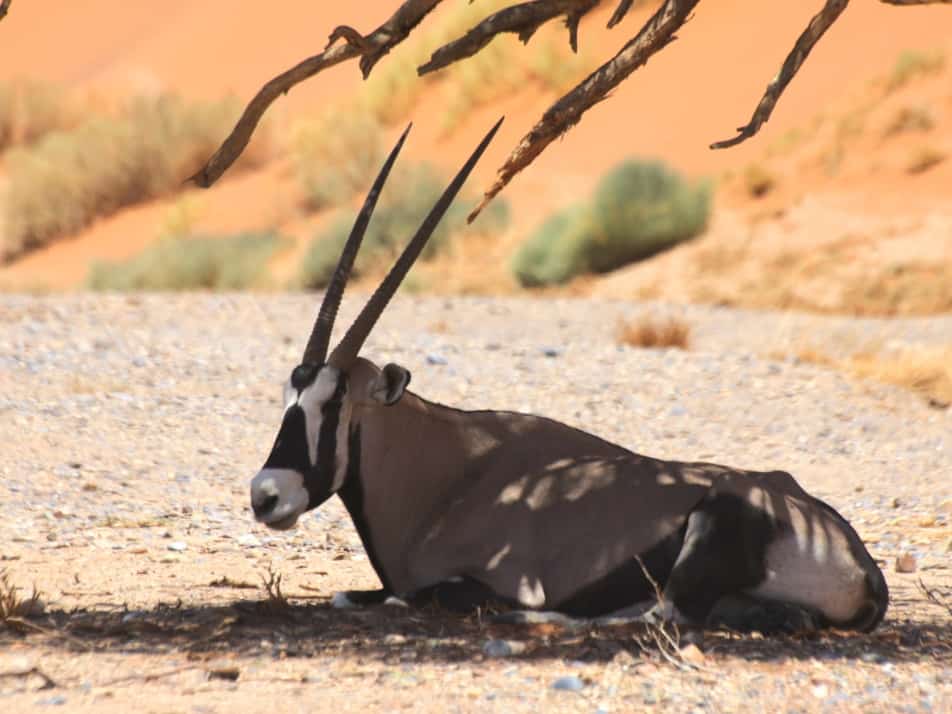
{"x": 914, "y": 63}
{"x": 639, "y": 209}
{"x": 409, "y": 195}
{"x": 69, "y": 178}
{"x": 190, "y": 263}
{"x": 336, "y": 156}
{"x": 557, "y": 251}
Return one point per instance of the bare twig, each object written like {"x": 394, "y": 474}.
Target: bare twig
{"x": 4, "y": 8}
{"x": 657, "y": 32}
{"x": 623, "y": 7}
{"x": 935, "y": 597}
{"x": 522, "y": 19}
{"x": 370, "y": 49}
{"x": 149, "y": 677}
{"x": 225, "y": 582}
{"x": 820, "y": 23}
{"x": 48, "y": 681}
{"x": 272, "y": 585}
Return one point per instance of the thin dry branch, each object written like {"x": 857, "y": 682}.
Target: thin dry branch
{"x": 4, "y": 8}
{"x": 820, "y": 23}
{"x": 522, "y": 20}
{"x": 623, "y": 7}
{"x": 370, "y": 49}
{"x": 657, "y": 32}
{"x": 48, "y": 681}
{"x": 935, "y": 597}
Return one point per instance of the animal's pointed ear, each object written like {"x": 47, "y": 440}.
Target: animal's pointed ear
{"x": 390, "y": 384}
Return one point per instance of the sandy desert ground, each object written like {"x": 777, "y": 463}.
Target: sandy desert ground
{"x": 132, "y": 425}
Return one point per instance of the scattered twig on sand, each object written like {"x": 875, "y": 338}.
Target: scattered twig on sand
{"x": 665, "y": 636}
{"x": 935, "y": 597}
{"x": 149, "y": 677}
{"x": 225, "y": 582}
{"x": 48, "y": 681}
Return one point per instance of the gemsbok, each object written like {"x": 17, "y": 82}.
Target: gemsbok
{"x": 468, "y": 508}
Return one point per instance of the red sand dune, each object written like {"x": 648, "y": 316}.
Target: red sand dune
{"x": 695, "y": 91}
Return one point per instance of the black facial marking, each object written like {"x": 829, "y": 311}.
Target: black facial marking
{"x": 352, "y": 494}
{"x": 319, "y": 480}
{"x": 290, "y": 447}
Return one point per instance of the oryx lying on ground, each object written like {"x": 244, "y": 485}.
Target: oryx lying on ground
{"x": 471, "y": 507}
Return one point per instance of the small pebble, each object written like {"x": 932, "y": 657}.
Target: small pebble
{"x": 54, "y": 701}
{"x": 249, "y": 539}
{"x": 692, "y": 654}
{"x": 230, "y": 674}
{"x": 177, "y": 545}
{"x": 503, "y": 648}
{"x": 568, "y": 684}
{"x": 905, "y": 563}
{"x": 435, "y": 359}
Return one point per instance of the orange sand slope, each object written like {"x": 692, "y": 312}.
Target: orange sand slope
{"x": 695, "y": 91}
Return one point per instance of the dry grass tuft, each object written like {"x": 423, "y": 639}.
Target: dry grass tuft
{"x": 758, "y": 181}
{"x": 910, "y": 119}
{"x": 14, "y": 607}
{"x": 277, "y": 601}
{"x": 914, "y": 63}
{"x": 924, "y": 158}
{"x": 924, "y": 370}
{"x": 63, "y": 182}
{"x": 648, "y": 332}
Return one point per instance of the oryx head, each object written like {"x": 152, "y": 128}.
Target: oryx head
{"x": 307, "y": 463}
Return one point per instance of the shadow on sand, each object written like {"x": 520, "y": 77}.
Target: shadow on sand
{"x": 280, "y": 628}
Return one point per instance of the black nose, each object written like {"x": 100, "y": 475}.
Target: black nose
{"x": 264, "y": 507}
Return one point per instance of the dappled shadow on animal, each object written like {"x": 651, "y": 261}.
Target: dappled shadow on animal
{"x": 469, "y": 508}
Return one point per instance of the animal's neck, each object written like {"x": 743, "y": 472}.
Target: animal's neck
{"x": 405, "y": 463}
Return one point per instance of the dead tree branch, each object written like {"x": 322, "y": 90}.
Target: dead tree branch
{"x": 370, "y": 49}
{"x": 522, "y": 20}
{"x": 657, "y": 32}
{"x": 623, "y": 7}
{"x": 4, "y": 8}
{"x": 820, "y": 23}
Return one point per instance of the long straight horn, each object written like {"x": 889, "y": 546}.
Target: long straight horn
{"x": 346, "y": 352}
{"x": 316, "y": 349}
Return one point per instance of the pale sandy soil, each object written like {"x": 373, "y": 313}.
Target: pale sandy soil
{"x": 130, "y": 428}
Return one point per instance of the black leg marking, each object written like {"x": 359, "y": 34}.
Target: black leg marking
{"x": 744, "y": 613}
{"x": 723, "y": 554}
{"x": 367, "y": 598}
{"x": 464, "y": 595}
{"x": 626, "y": 585}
